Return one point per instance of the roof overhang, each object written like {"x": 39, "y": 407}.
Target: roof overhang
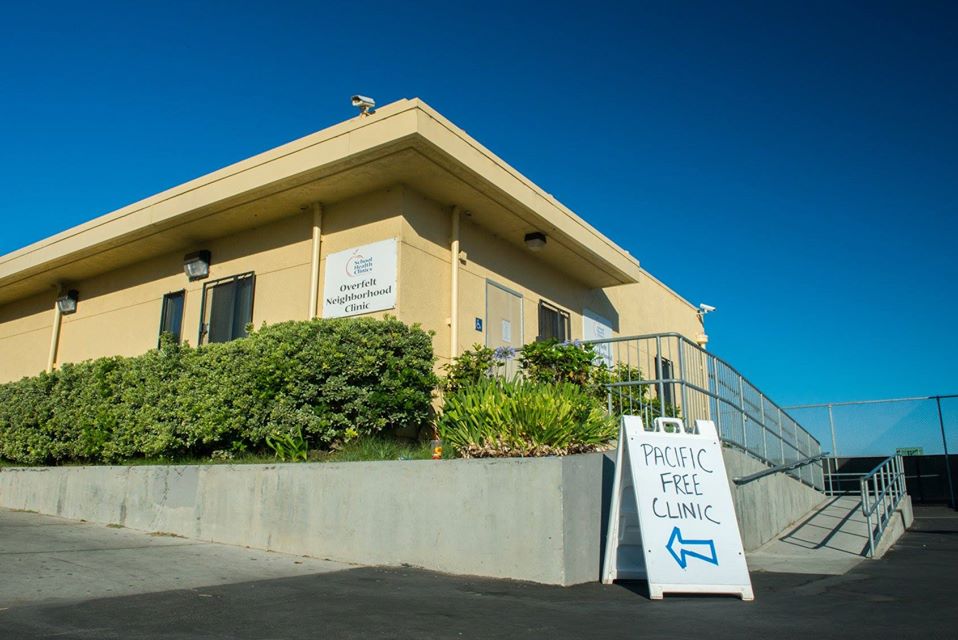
{"x": 406, "y": 142}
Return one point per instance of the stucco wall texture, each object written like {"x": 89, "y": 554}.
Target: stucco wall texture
{"x": 119, "y": 310}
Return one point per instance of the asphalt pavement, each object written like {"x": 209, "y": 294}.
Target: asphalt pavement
{"x": 62, "y": 579}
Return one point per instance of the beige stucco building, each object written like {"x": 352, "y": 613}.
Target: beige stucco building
{"x": 367, "y": 216}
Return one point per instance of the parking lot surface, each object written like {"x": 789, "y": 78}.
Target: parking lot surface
{"x": 65, "y": 579}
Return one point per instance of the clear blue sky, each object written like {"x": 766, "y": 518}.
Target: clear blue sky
{"x": 795, "y": 166}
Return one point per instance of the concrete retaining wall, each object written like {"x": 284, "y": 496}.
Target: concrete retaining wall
{"x": 540, "y": 519}
{"x": 529, "y": 519}
{"x": 899, "y": 522}
{"x": 768, "y": 505}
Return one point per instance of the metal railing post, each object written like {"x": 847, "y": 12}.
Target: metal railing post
{"x": 761, "y": 399}
{"x": 658, "y": 374}
{"x": 944, "y": 444}
{"x": 831, "y": 426}
{"x": 713, "y": 387}
{"x": 868, "y": 519}
{"x": 881, "y": 502}
{"x": 781, "y": 435}
{"x": 903, "y": 486}
{"x": 685, "y": 388}
{"x": 741, "y": 408}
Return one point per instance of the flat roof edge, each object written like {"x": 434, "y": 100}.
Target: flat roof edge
{"x": 514, "y": 173}
{"x": 275, "y": 153}
{"x": 346, "y": 140}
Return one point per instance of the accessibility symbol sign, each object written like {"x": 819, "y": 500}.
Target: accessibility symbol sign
{"x": 682, "y": 549}
{"x": 672, "y": 521}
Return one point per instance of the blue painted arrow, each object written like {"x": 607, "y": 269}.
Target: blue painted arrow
{"x": 684, "y": 554}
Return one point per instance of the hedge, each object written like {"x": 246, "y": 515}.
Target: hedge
{"x": 330, "y": 379}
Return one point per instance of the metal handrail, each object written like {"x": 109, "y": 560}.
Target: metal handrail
{"x": 779, "y": 469}
{"x": 679, "y": 336}
{"x": 887, "y": 483}
{"x": 694, "y": 387}
{"x": 707, "y": 388}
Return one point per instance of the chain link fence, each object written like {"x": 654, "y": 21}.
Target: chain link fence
{"x": 882, "y": 427}
{"x": 922, "y": 429}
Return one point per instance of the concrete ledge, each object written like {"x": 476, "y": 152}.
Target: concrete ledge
{"x": 899, "y": 522}
{"x": 536, "y": 519}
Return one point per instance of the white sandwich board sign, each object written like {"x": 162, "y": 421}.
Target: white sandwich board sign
{"x": 672, "y": 520}
{"x": 360, "y": 280}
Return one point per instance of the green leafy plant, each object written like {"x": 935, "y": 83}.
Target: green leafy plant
{"x": 290, "y": 446}
{"x": 551, "y": 362}
{"x": 498, "y": 418}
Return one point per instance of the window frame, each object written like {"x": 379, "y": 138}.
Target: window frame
{"x": 208, "y": 286}
{"x": 181, "y": 294}
{"x": 564, "y": 317}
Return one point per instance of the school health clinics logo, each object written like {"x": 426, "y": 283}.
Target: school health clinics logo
{"x": 357, "y": 264}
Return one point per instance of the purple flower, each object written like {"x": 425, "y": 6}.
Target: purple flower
{"x": 504, "y": 353}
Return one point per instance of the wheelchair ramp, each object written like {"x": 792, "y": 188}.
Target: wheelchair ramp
{"x": 831, "y": 539}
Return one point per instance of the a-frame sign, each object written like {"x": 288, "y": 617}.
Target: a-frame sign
{"x": 672, "y": 520}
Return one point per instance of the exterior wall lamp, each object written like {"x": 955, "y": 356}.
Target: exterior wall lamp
{"x": 535, "y": 241}
{"x": 197, "y": 265}
{"x": 67, "y": 303}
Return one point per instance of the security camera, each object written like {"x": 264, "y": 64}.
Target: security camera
{"x": 706, "y": 308}
{"x": 365, "y": 104}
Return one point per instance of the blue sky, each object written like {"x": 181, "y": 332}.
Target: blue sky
{"x": 793, "y": 165}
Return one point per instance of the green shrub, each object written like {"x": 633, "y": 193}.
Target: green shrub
{"x": 573, "y": 362}
{"x": 494, "y": 418}
{"x": 543, "y": 361}
{"x": 550, "y": 361}
{"x": 470, "y": 367}
{"x": 330, "y": 380}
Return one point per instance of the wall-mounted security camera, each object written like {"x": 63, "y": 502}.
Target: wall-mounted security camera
{"x": 706, "y": 308}
{"x": 365, "y": 104}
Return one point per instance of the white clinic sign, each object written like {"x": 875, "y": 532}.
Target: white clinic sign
{"x": 672, "y": 520}
{"x": 595, "y": 327}
{"x": 360, "y": 280}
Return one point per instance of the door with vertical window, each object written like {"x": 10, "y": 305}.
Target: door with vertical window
{"x": 504, "y": 321}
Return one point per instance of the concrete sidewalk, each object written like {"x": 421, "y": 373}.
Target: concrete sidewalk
{"x": 908, "y": 594}
{"x": 43, "y": 559}
{"x": 832, "y": 539}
